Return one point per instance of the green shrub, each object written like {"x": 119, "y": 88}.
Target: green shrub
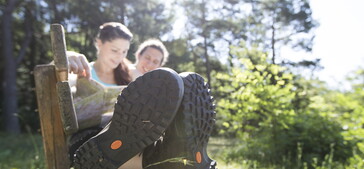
{"x": 309, "y": 139}
{"x": 257, "y": 102}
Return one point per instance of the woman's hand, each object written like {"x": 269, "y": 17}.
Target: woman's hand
{"x": 78, "y": 64}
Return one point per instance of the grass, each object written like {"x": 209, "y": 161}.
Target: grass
{"x": 217, "y": 150}
{"x": 25, "y": 151}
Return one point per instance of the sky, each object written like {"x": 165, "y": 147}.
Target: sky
{"x": 339, "y": 40}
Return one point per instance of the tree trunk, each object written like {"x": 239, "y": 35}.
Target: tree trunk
{"x": 56, "y": 15}
{"x": 273, "y": 44}
{"x": 273, "y": 41}
{"x": 11, "y": 120}
{"x": 122, "y": 12}
{"x": 208, "y": 71}
{"x": 204, "y": 34}
{"x": 231, "y": 57}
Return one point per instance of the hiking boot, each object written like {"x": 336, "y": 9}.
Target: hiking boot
{"x": 143, "y": 111}
{"x": 185, "y": 141}
{"x": 77, "y": 139}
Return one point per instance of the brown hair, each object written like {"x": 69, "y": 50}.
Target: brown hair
{"x": 153, "y": 43}
{"x": 114, "y": 30}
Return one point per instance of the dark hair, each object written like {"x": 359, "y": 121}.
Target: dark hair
{"x": 114, "y": 30}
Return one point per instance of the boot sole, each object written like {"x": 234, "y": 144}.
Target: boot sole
{"x": 199, "y": 114}
{"x": 77, "y": 139}
{"x": 142, "y": 113}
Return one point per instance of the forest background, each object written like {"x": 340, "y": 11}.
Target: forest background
{"x": 277, "y": 111}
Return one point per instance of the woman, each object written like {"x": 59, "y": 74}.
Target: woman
{"x": 150, "y": 55}
{"x": 112, "y": 43}
{"x": 109, "y": 69}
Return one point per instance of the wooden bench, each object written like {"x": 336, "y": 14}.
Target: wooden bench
{"x": 55, "y": 103}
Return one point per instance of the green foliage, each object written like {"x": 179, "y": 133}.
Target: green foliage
{"x": 280, "y": 120}
{"x": 253, "y": 97}
{"x": 148, "y": 19}
{"x": 179, "y": 59}
{"x": 309, "y": 138}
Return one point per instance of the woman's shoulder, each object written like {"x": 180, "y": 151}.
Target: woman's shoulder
{"x": 132, "y": 66}
{"x": 134, "y": 71}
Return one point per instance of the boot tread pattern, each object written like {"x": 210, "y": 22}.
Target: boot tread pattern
{"x": 142, "y": 113}
{"x": 198, "y": 119}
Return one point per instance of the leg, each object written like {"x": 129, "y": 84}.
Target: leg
{"x": 143, "y": 111}
{"x": 185, "y": 141}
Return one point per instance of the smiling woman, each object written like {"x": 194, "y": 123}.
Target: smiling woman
{"x": 109, "y": 69}
{"x": 150, "y": 55}
{"x": 112, "y": 43}
{"x": 111, "y": 55}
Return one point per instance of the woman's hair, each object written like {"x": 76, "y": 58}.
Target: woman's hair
{"x": 153, "y": 43}
{"x": 108, "y": 32}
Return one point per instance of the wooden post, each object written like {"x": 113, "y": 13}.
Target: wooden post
{"x": 67, "y": 108}
{"x": 55, "y": 103}
{"x": 59, "y": 51}
{"x": 54, "y": 139}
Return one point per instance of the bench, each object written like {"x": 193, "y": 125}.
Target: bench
{"x": 55, "y": 103}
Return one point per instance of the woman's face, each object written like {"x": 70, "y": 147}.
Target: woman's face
{"x": 112, "y": 53}
{"x": 149, "y": 60}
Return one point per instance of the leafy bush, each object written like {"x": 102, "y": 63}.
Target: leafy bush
{"x": 309, "y": 139}
{"x": 254, "y": 97}
{"x": 256, "y": 102}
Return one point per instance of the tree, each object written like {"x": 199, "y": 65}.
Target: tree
{"x": 11, "y": 64}
{"x": 148, "y": 19}
{"x": 289, "y": 22}
{"x": 198, "y": 31}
